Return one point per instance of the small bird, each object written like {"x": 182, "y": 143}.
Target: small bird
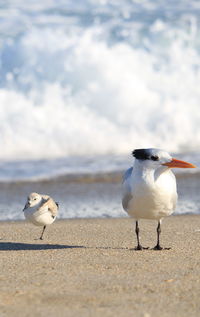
{"x": 41, "y": 210}
{"x": 149, "y": 188}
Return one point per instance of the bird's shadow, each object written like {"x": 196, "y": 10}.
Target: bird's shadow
{"x": 15, "y": 246}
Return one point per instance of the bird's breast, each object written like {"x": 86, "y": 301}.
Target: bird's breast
{"x": 39, "y": 217}
{"x": 153, "y": 199}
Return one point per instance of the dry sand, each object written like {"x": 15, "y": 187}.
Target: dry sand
{"x": 87, "y": 268}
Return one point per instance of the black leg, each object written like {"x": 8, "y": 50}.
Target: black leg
{"x": 137, "y": 230}
{"x": 41, "y": 237}
{"x": 158, "y": 247}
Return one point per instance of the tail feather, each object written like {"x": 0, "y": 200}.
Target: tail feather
{"x": 57, "y": 204}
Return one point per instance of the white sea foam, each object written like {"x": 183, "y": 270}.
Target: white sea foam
{"x": 107, "y": 99}
{"x": 100, "y": 79}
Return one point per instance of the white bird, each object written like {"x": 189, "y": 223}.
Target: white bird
{"x": 41, "y": 210}
{"x": 149, "y": 188}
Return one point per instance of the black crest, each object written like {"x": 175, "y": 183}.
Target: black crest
{"x": 141, "y": 154}
{"x": 146, "y": 154}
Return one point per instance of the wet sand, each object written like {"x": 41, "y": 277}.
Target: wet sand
{"x": 88, "y": 268}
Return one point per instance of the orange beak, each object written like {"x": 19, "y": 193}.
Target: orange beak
{"x": 178, "y": 163}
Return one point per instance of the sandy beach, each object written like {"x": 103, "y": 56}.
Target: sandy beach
{"x": 88, "y": 268}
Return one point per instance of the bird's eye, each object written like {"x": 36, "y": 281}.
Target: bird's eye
{"x": 35, "y": 198}
{"x": 154, "y": 158}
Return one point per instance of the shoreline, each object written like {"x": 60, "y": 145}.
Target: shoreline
{"x": 91, "y": 198}
{"x": 15, "y": 221}
{"x": 87, "y": 267}
{"x": 87, "y": 178}
{"x": 124, "y": 216}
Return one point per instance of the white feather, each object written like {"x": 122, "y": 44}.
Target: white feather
{"x": 149, "y": 189}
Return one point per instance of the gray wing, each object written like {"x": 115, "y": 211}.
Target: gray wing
{"x": 127, "y": 174}
{"x": 49, "y": 202}
{"x": 127, "y": 195}
{"x": 125, "y": 200}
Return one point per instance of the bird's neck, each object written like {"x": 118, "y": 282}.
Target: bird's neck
{"x": 142, "y": 172}
{"x": 146, "y": 173}
{"x": 37, "y": 204}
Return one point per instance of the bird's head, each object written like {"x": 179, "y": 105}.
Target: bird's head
{"x": 32, "y": 200}
{"x": 154, "y": 158}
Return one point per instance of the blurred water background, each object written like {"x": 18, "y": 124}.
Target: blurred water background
{"x": 83, "y": 83}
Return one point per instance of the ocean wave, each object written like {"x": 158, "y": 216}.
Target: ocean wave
{"x": 104, "y": 169}
{"x": 71, "y": 87}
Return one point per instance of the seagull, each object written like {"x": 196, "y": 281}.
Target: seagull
{"x": 149, "y": 188}
{"x": 41, "y": 210}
